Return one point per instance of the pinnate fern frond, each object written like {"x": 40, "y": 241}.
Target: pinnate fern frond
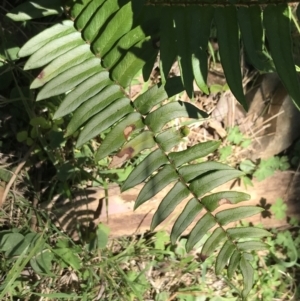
{"x": 94, "y": 58}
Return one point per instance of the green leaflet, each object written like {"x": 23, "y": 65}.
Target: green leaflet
{"x": 134, "y": 36}
{"x": 181, "y": 16}
{"x": 137, "y": 34}
{"x": 133, "y": 61}
{"x": 135, "y": 146}
{"x": 277, "y": 24}
{"x": 158, "y": 93}
{"x": 194, "y": 152}
{"x": 98, "y": 19}
{"x": 161, "y": 116}
{"x": 228, "y": 39}
{"x": 212, "y": 243}
{"x": 157, "y": 183}
{"x": 212, "y": 180}
{"x": 246, "y": 232}
{"x": 46, "y": 36}
{"x": 144, "y": 170}
{"x": 119, "y": 25}
{"x": 248, "y": 276}
{"x": 250, "y": 23}
{"x": 168, "y": 47}
{"x": 87, "y": 13}
{"x": 119, "y": 135}
{"x": 83, "y": 92}
{"x": 189, "y": 172}
{"x": 234, "y": 214}
{"x": 168, "y": 204}
{"x": 104, "y": 120}
{"x": 223, "y": 256}
{"x": 70, "y": 78}
{"x": 200, "y": 19}
{"x": 233, "y": 263}
{"x": 201, "y": 228}
{"x": 211, "y": 202}
{"x": 77, "y": 7}
{"x": 35, "y": 9}
{"x": 62, "y": 63}
{"x": 53, "y": 49}
{"x": 93, "y": 106}
{"x": 169, "y": 138}
{"x": 252, "y": 245}
{"x": 186, "y": 217}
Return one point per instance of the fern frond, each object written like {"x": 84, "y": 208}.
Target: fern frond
{"x": 96, "y": 57}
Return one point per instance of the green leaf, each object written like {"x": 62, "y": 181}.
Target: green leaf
{"x": 248, "y": 276}
{"x": 68, "y": 257}
{"x": 78, "y": 7}
{"x": 130, "y": 39}
{"x": 224, "y": 256}
{"x": 266, "y": 168}
{"x": 277, "y": 24}
{"x": 190, "y": 172}
{"x": 70, "y": 78}
{"x": 10, "y": 242}
{"x": 225, "y": 20}
{"x": 83, "y": 92}
{"x": 234, "y": 214}
{"x": 225, "y": 152}
{"x": 186, "y": 217}
{"x": 200, "y": 229}
{"x": 233, "y": 263}
{"x": 53, "y": 50}
{"x": 212, "y": 243}
{"x": 22, "y": 136}
{"x": 45, "y": 37}
{"x": 73, "y": 57}
{"x": 211, "y": 202}
{"x": 180, "y": 15}
{"x": 158, "y": 118}
{"x": 95, "y": 23}
{"x": 42, "y": 262}
{"x": 279, "y": 209}
{"x": 247, "y": 166}
{"x": 252, "y": 245}
{"x": 164, "y": 177}
{"x": 250, "y": 24}
{"x": 200, "y": 19}
{"x": 104, "y": 119}
{"x": 168, "y": 47}
{"x": 87, "y": 14}
{"x": 119, "y": 134}
{"x": 169, "y": 138}
{"x": 92, "y": 106}
{"x": 194, "y": 152}
{"x": 212, "y": 180}
{"x": 133, "y": 61}
{"x": 102, "y": 235}
{"x": 158, "y": 93}
{"x": 35, "y": 9}
{"x": 246, "y": 232}
{"x": 120, "y": 24}
{"x": 235, "y": 136}
{"x": 135, "y": 146}
{"x": 144, "y": 169}
{"x": 168, "y": 204}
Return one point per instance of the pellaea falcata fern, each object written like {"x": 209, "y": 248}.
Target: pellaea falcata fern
{"x": 92, "y": 59}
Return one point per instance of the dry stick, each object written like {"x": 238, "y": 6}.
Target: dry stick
{"x": 14, "y": 176}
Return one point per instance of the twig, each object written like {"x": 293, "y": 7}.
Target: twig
{"x": 14, "y": 176}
